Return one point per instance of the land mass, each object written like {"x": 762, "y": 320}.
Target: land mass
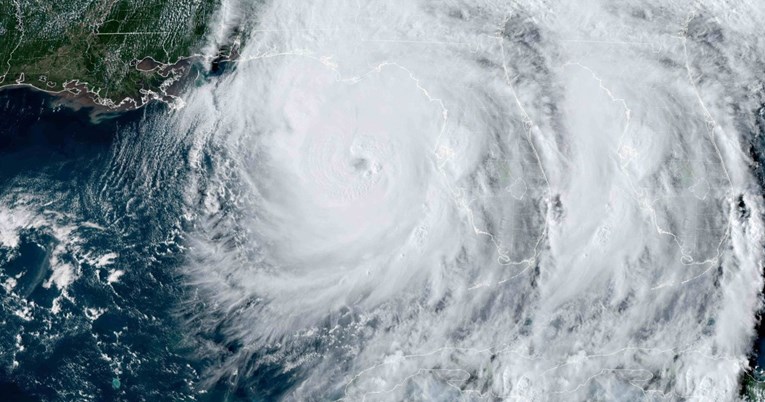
{"x": 113, "y": 54}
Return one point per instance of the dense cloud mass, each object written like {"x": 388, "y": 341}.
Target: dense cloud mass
{"x": 429, "y": 200}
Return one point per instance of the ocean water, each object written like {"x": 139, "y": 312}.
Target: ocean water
{"x": 87, "y": 261}
{"x": 92, "y": 305}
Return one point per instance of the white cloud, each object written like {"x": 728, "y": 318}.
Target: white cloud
{"x": 364, "y": 225}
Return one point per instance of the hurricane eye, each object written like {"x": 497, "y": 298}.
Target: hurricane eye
{"x": 360, "y": 165}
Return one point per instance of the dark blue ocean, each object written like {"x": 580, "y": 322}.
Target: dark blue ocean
{"x": 89, "y": 262}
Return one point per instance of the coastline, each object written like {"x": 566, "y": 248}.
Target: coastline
{"x": 78, "y": 95}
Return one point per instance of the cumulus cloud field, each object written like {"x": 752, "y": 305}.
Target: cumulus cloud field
{"x": 478, "y": 200}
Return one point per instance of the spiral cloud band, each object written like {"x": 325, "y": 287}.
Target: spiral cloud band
{"x": 532, "y": 200}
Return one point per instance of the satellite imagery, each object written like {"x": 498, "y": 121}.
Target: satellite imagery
{"x": 367, "y": 200}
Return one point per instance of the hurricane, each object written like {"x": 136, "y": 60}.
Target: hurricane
{"x": 477, "y": 201}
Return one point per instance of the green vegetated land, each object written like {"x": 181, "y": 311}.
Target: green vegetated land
{"x": 46, "y": 43}
{"x": 754, "y": 390}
